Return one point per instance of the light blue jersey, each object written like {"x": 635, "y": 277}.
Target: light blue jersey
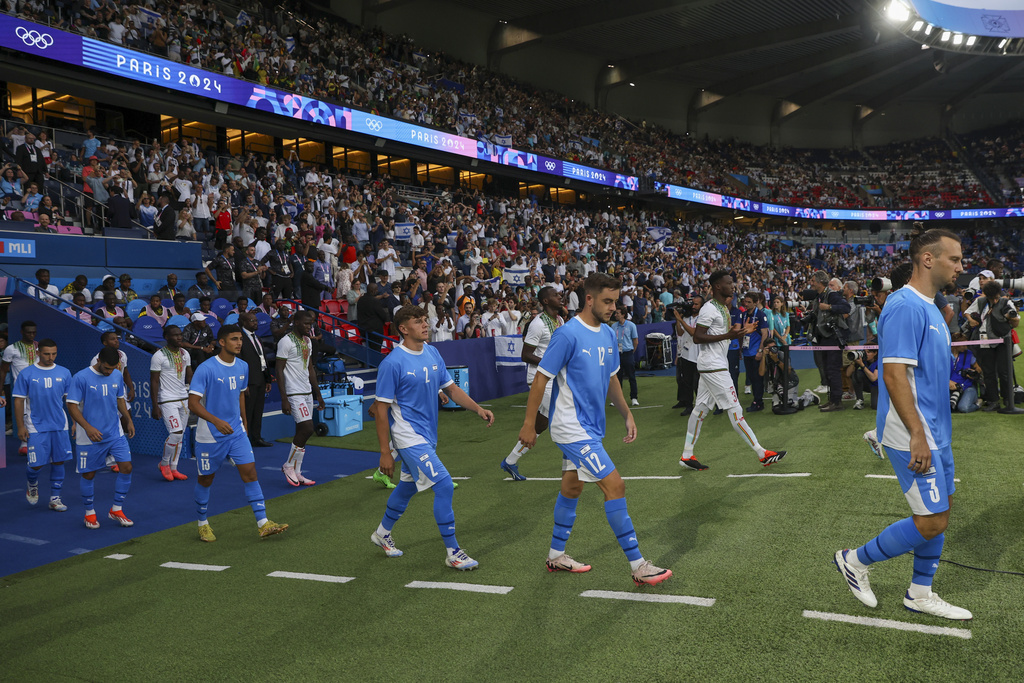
{"x": 409, "y": 381}
{"x": 912, "y": 332}
{"x": 581, "y": 360}
{"x": 97, "y": 396}
{"x": 44, "y": 390}
{"x": 220, "y": 384}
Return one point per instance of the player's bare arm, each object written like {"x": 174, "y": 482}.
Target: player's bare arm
{"x": 902, "y": 399}
{"x": 196, "y": 407}
{"x": 463, "y": 399}
{"x": 528, "y": 434}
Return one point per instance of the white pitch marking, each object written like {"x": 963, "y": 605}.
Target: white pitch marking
{"x": 196, "y": 567}
{"x": 342, "y": 476}
{"x": 649, "y": 597}
{"x": 964, "y": 633}
{"x": 456, "y": 478}
{"x": 272, "y": 469}
{"x": 470, "y": 587}
{"x": 645, "y": 407}
{"x": 794, "y": 474}
{"x": 560, "y": 479}
{"x": 4, "y": 493}
{"x": 79, "y": 551}
{"x": 117, "y": 556}
{"x": 887, "y": 476}
{"x": 23, "y": 539}
{"x": 326, "y": 578}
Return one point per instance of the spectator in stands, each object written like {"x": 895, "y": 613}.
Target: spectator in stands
{"x": 170, "y": 290}
{"x": 79, "y": 311}
{"x": 185, "y": 230}
{"x": 280, "y": 271}
{"x": 121, "y": 211}
{"x": 110, "y": 308}
{"x": 197, "y": 337}
{"x": 125, "y": 293}
{"x": 90, "y": 145}
{"x": 46, "y": 208}
{"x": 32, "y": 198}
{"x": 323, "y": 271}
{"x": 30, "y": 159}
{"x": 155, "y": 310}
{"x": 43, "y": 224}
{"x": 75, "y": 286}
{"x": 352, "y": 297}
{"x": 179, "y": 307}
{"x": 205, "y": 307}
{"x": 282, "y": 324}
{"x": 164, "y": 226}
{"x": 372, "y": 315}
{"x": 10, "y": 186}
{"x": 311, "y": 287}
{"x": 224, "y": 264}
{"x": 474, "y": 328}
{"x": 222, "y": 224}
{"x": 250, "y": 274}
{"x": 44, "y": 291}
{"x": 146, "y": 211}
{"x": 202, "y": 287}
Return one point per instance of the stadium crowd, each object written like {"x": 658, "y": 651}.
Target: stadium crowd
{"x": 327, "y": 58}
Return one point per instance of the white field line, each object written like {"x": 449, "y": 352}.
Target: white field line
{"x": 470, "y": 587}
{"x": 765, "y": 474}
{"x": 80, "y": 551}
{"x": 326, "y": 578}
{"x": 679, "y": 476}
{"x": 196, "y": 567}
{"x": 889, "y": 623}
{"x": 649, "y": 597}
{"x": 117, "y": 556}
{"x": 887, "y": 476}
{"x": 23, "y": 539}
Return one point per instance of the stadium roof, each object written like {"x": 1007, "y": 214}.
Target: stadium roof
{"x": 803, "y": 52}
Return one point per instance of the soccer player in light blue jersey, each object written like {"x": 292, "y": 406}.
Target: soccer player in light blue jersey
{"x": 583, "y": 361}
{"x": 407, "y": 385}
{"x": 39, "y": 395}
{"x": 96, "y": 402}
{"x": 216, "y": 396}
{"x": 914, "y": 425}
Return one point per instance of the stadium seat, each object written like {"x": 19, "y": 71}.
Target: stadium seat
{"x": 221, "y": 307}
{"x": 332, "y": 306}
{"x": 231, "y": 319}
{"x": 192, "y": 304}
{"x": 134, "y": 308}
{"x": 344, "y": 308}
{"x": 149, "y": 330}
{"x": 167, "y": 303}
{"x": 214, "y": 326}
{"x": 179, "y": 320}
{"x": 262, "y": 324}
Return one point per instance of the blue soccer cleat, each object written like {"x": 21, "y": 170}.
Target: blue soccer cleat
{"x": 512, "y": 470}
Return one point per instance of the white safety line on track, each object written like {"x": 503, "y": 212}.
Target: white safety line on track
{"x": 196, "y": 567}
{"x": 964, "y": 633}
{"x": 773, "y": 474}
{"x": 80, "y": 551}
{"x": 649, "y": 597}
{"x": 4, "y": 493}
{"x": 887, "y": 476}
{"x": 678, "y": 476}
{"x": 117, "y": 556}
{"x": 23, "y": 539}
{"x": 470, "y": 587}
{"x": 326, "y": 578}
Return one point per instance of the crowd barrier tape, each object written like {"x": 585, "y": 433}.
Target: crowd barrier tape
{"x": 976, "y": 342}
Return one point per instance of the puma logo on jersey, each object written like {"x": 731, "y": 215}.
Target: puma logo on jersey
{"x": 586, "y": 351}
{"x": 409, "y": 372}
{"x": 932, "y": 327}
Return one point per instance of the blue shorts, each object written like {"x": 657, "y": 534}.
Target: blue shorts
{"x": 93, "y": 456}
{"x": 47, "y": 447}
{"x": 421, "y": 465}
{"x": 210, "y": 456}
{"x": 589, "y": 458}
{"x": 927, "y": 493}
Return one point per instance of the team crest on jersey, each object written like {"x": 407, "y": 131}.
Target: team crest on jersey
{"x": 424, "y": 457}
{"x": 434, "y": 368}
{"x": 584, "y": 450}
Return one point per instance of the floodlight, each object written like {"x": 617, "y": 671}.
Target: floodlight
{"x": 897, "y": 11}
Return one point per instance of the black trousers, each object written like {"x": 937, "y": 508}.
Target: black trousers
{"x": 995, "y": 366}
{"x": 860, "y": 381}
{"x": 254, "y": 411}
{"x": 833, "y": 364}
{"x": 819, "y": 362}
{"x": 734, "y": 368}
{"x": 686, "y": 381}
{"x": 752, "y": 366}
{"x": 627, "y": 370}
{"x": 281, "y": 286}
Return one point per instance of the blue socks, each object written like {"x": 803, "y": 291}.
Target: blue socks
{"x": 254, "y": 494}
{"x": 88, "y": 493}
{"x": 443, "y": 513}
{"x": 202, "y": 498}
{"x": 898, "y": 538}
{"x": 33, "y": 476}
{"x": 56, "y": 479}
{"x": 565, "y": 517}
{"x": 397, "y": 502}
{"x": 622, "y": 526}
{"x": 926, "y": 560}
{"x": 121, "y": 486}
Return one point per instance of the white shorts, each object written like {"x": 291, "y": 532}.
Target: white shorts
{"x": 302, "y": 407}
{"x": 716, "y": 388}
{"x": 174, "y": 415}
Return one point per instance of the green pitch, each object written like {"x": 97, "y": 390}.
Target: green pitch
{"x": 761, "y": 547}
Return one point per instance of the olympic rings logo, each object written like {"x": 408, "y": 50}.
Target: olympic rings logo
{"x": 374, "y": 125}
{"x": 34, "y": 38}
{"x": 550, "y": 165}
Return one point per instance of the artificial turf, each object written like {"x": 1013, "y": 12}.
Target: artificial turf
{"x": 761, "y": 547}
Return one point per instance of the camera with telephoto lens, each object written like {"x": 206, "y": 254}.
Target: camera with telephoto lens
{"x": 685, "y": 309}
{"x": 864, "y": 300}
{"x": 954, "y": 396}
{"x": 852, "y": 356}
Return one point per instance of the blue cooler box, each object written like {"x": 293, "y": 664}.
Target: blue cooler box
{"x": 460, "y": 375}
{"x": 343, "y": 414}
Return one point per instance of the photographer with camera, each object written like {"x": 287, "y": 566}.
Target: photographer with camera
{"x": 855, "y": 323}
{"x": 865, "y": 374}
{"x": 828, "y": 328}
{"x": 751, "y": 347}
{"x": 685, "y": 316}
{"x": 993, "y": 316}
{"x": 964, "y": 376}
{"x": 784, "y": 391}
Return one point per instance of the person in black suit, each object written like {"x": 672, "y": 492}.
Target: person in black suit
{"x": 164, "y": 227}
{"x": 122, "y": 210}
{"x": 311, "y": 287}
{"x": 372, "y": 315}
{"x": 259, "y": 375}
{"x": 30, "y": 159}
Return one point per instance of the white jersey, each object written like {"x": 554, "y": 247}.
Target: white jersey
{"x": 19, "y": 356}
{"x": 296, "y": 352}
{"x": 172, "y": 374}
{"x": 122, "y": 360}
{"x": 538, "y": 334}
{"x": 714, "y": 356}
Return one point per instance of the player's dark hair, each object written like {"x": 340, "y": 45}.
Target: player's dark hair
{"x": 225, "y": 330}
{"x": 921, "y": 240}
{"x": 241, "y": 299}
{"x": 717, "y": 276}
{"x": 595, "y": 282}
{"x": 47, "y": 344}
{"x": 107, "y": 335}
{"x": 41, "y": 271}
{"x": 27, "y": 323}
{"x": 991, "y": 289}
{"x": 204, "y": 298}
{"x": 170, "y": 328}
{"x": 305, "y": 312}
{"x": 109, "y": 356}
{"x": 407, "y": 313}
{"x": 544, "y": 291}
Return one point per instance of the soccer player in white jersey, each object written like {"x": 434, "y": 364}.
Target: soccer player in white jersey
{"x": 217, "y": 397}
{"x": 39, "y": 410}
{"x": 296, "y": 378}
{"x": 915, "y": 426}
{"x": 712, "y": 333}
{"x": 536, "y": 338}
{"x": 583, "y": 361}
{"x": 170, "y": 372}
{"x": 16, "y": 357}
{"x": 407, "y": 384}
{"x": 96, "y": 402}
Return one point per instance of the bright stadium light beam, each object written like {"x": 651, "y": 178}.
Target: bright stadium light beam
{"x": 897, "y": 11}
{"x": 945, "y": 36}
{"x": 1002, "y": 43}
{"x": 971, "y": 40}
{"x": 918, "y": 25}
{"x": 958, "y": 39}
{"x": 928, "y": 30}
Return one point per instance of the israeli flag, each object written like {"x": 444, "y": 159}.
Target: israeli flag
{"x": 243, "y": 18}
{"x": 659, "y": 234}
{"x": 500, "y": 112}
{"x": 508, "y": 351}
{"x": 515, "y": 276}
{"x": 670, "y": 250}
{"x": 403, "y": 231}
{"x": 503, "y": 140}
{"x": 289, "y": 44}
{"x": 148, "y": 17}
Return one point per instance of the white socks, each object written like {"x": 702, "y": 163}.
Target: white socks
{"x": 295, "y": 457}
{"x": 555, "y": 554}
{"x": 381, "y": 531}
{"x": 744, "y": 430}
{"x": 519, "y": 451}
{"x": 635, "y": 564}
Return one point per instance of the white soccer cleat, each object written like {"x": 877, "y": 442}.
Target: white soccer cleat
{"x": 387, "y": 543}
{"x": 936, "y": 606}
{"x": 58, "y": 505}
{"x": 649, "y": 575}
{"x": 460, "y": 560}
{"x": 32, "y": 494}
{"x": 822, "y": 389}
{"x": 635, "y": 402}
{"x": 290, "y": 475}
{"x": 564, "y": 563}
{"x": 872, "y": 440}
{"x": 856, "y": 578}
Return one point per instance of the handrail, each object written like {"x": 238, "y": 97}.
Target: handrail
{"x": 368, "y": 355}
